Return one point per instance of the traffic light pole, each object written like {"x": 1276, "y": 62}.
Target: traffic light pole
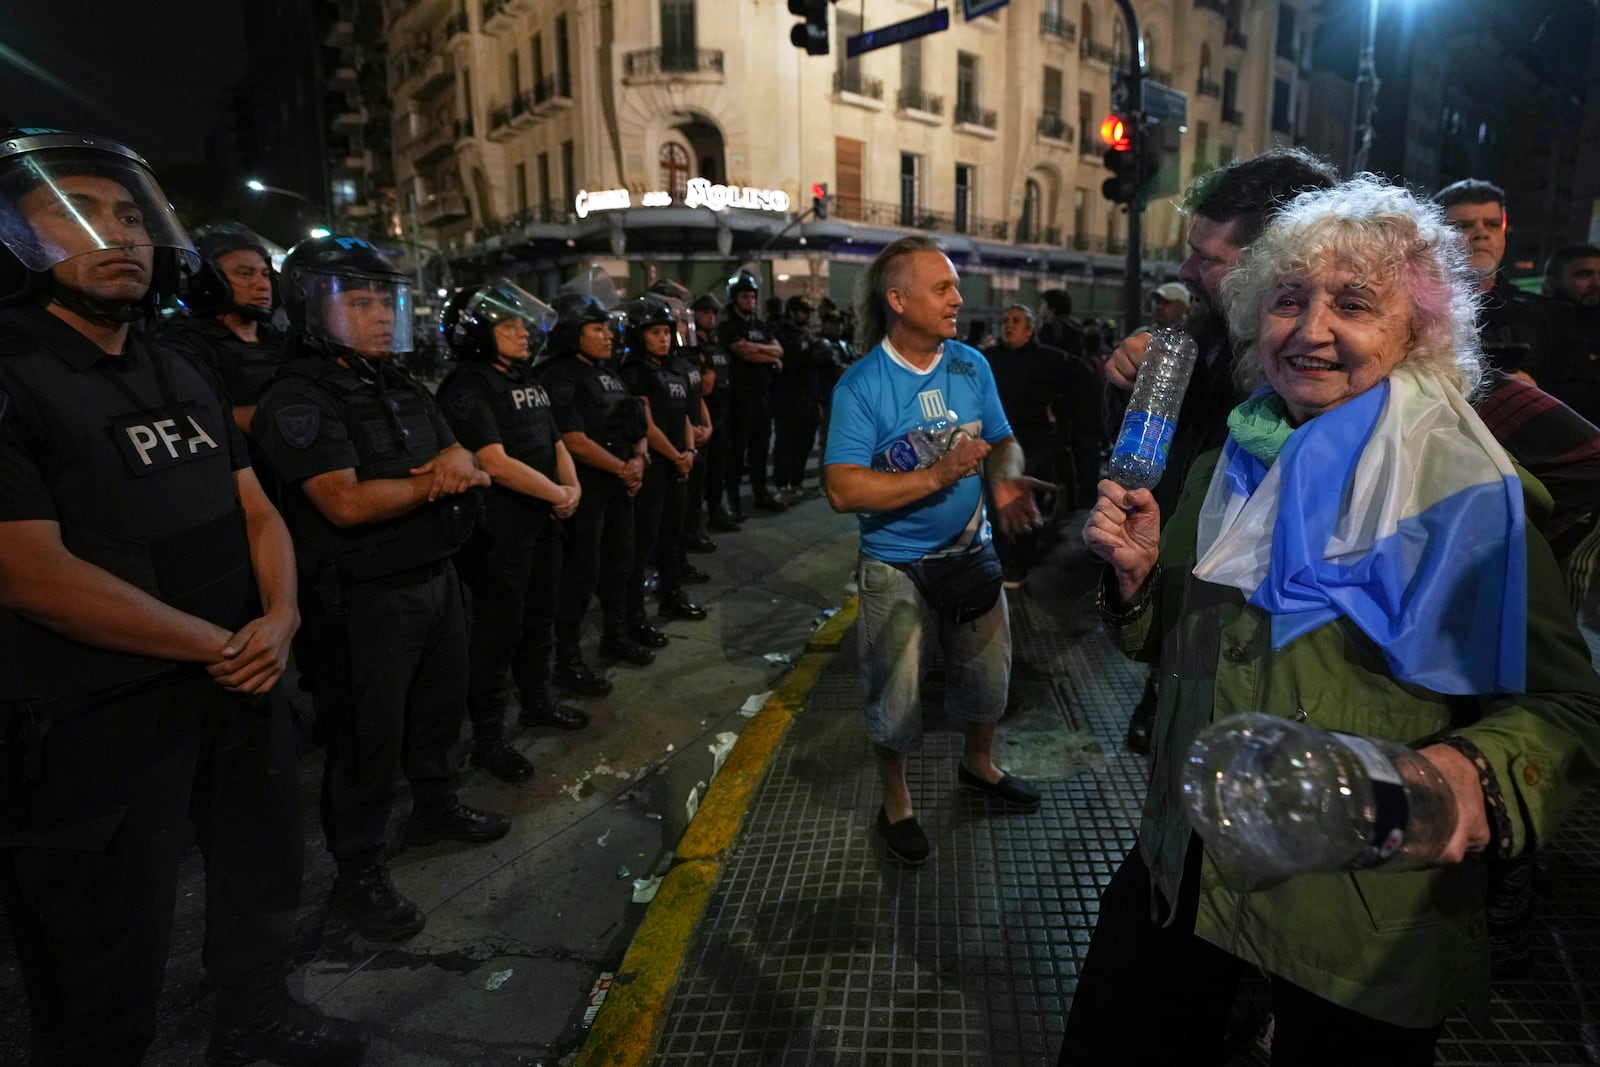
{"x": 1133, "y": 281}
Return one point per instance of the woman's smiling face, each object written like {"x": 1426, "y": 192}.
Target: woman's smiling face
{"x": 1328, "y": 336}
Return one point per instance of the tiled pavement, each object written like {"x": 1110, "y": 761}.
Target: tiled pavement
{"x": 816, "y": 949}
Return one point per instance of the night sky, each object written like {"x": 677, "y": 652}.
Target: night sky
{"x": 149, "y": 73}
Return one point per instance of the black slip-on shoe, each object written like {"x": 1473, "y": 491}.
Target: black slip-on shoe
{"x": 904, "y": 839}
{"x": 1008, "y": 789}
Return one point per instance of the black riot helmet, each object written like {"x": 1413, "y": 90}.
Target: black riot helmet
{"x": 742, "y": 282}
{"x": 574, "y": 311}
{"x": 647, "y": 311}
{"x": 209, "y": 292}
{"x": 64, "y": 195}
{"x": 469, "y": 318}
{"x": 344, "y": 297}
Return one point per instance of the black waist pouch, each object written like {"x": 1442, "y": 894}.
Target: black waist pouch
{"x": 961, "y": 588}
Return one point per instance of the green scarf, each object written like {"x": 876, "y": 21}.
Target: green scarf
{"x": 1261, "y": 426}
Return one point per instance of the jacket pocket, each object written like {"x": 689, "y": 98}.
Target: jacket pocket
{"x": 1415, "y": 900}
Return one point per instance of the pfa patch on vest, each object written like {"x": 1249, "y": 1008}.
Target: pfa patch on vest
{"x": 153, "y": 441}
{"x": 298, "y": 425}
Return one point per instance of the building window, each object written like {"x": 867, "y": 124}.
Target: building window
{"x": 522, "y": 188}
{"x": 1286, "y": 42}
{"x": 563, "y": 63}
{"x": 911, "y": 65}
{"x": 910, "y": 188}
{"x": 1080, "y": 216}
{"x": 1088, "y": 124}
{"x": 1282, "y": 116}
{"x": 514, "y": 69}
{"x": 466, "y": 98}
{"x": 1230, "y": 92}
{"x": 677, "y": 35}
{"x": 1205, "y": 63}
{"x": 1085, "y": 23}
{"x": 966, "y": 84}
{"x": 848, "y": 154}
{"x": 674, "y": 162}
{"x": 537, "y": 69}
{"x": 1202, "y": 145}
{"x": 848, "y": 68}
{"x": 1119, "y": 43}
{"x": 1053, "y": 91}
{"x": 569, "y": 179}
{"x": 542, "y": 170}
{"x": 966, "y": 175}
{"x": 1032, "y": 201}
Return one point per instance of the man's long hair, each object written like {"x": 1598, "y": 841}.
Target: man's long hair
{"x": 872, "y": 291}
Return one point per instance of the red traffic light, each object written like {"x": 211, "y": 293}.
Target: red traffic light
{"x": 819, "y": 190}
{"x": 1114, "y": 133}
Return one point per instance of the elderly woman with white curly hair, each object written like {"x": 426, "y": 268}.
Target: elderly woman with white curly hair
{"x": 1362, "y": 556}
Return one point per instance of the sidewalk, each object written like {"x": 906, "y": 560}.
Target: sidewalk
{"x": 790, "y": 937}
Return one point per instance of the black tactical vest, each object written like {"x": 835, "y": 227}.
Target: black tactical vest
{"x": 136, "y": 453}
{"x": 245, "y": 367}
{"x": 391, "y": 426}
{"x": 613, "y": 417}
{"x": 664, "y": 384}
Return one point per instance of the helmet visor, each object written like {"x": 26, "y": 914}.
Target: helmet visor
{"x": 59, "y": 203}
{"x": 503, "y": 301}
{"x": 371, "y": 317}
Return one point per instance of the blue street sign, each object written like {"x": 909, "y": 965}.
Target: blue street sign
{"x": 921, "y": 26}
{"x": 973, "y": 9}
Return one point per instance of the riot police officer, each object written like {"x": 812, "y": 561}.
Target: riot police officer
{"x": 513, "y": 563}
{"x": 378, "y": 497}
{"x": 652, "y": 374}
{"x": 229, "y": 300}
{"x": 147, "y": 600}
{"x": 692, "y": 536}
{"x": 716, "y": 376}
{"x": 603, "y": 427}
{"x": 757, "y": 358}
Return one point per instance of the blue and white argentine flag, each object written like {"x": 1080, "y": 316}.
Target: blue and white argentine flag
{"x": 1398, "y": 510}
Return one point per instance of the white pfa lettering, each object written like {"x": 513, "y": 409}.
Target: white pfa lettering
{"x": 200, "y": 437}
{"x": 144, "y": 439}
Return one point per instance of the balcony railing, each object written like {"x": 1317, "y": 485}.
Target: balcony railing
{"x": 431, "y": 143}
{"x": 660, "y": 62}
{"x": 1057, "y": 26}
{"x": 1088, "y": 49}
{"x": 1207, "y": 87}
{"x": 1054, "y": 127}
{"x": 442, "y": 208}
{"x": 916, "y": 98}
{"x": 1091, "y": 145}
{"x": 550, "y": 89}
{"x": 1234, "y": 37}
{"x": 884, "y": 213}
{"x": 970, "y": 114}
{"x": 853, "y": 81}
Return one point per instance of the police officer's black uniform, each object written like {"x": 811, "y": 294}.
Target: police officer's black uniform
{"x": 715, "y": 456}
{"x": 752, "y": 402}
{"x": 796, "y": 397}
{"x": 513, "y": 562}
{"x": 106, "y": 756}
{"x": 589, "y": 398}
{"x": 393, "y": 686}
{"x": 658, "y": 509}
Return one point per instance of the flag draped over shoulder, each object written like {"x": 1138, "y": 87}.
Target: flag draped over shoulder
{"x": 1397, "y": 510}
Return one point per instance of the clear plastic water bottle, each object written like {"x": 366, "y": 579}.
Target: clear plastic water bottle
{"x": 919, "y": 447}
{"x": 1274, "y": 798}
{"x": 1139, "y": 457}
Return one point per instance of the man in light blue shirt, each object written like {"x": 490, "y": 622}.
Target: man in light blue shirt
{"x": 927, "y": 566}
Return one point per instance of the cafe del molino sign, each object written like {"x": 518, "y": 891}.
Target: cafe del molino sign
{"x": 700, "y": 193}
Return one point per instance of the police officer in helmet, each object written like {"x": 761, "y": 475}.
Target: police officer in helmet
{"x": 757, "y": 359}
{"x": 603, "y": 427}
{"x": 147, "y": 601}
{"x": 513, "y": 563}
{"x": 230, "y": 300}
{"x": 379, "y": 495}
{"x": 653, "y": 374}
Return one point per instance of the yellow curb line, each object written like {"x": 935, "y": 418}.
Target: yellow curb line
{"x": 624, "y": 1030}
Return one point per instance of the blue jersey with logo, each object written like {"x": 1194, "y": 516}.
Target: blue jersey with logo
{"x": 880, "y": 398}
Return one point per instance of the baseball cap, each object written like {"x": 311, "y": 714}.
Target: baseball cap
{"x": 1172, "y": 291}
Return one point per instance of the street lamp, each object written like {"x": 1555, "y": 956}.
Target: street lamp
{"x": 255, "y": 185}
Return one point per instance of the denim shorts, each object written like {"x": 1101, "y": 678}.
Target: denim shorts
{"x": 895, "y": 626}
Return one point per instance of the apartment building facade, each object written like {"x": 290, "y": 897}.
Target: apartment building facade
{"x": 681, "y": 138}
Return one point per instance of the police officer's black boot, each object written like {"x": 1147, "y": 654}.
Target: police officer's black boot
{"x": 723, "y": 521}
{"x": 675, "y": 604}
{"x": 282, "y": 1030}
{"x": 541, "y": 709}
{"x": 645, "y": 634}
{"x": 445, "y": 818}
{"x": 364, "y": 895}
{"x": 620, "y": 646}
{"x": 688, "y": 573}
{"x": 574, "y": 675}
{"x": 495, "y": 755}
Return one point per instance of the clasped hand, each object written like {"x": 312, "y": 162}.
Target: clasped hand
{"x": 454, "y": 471}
